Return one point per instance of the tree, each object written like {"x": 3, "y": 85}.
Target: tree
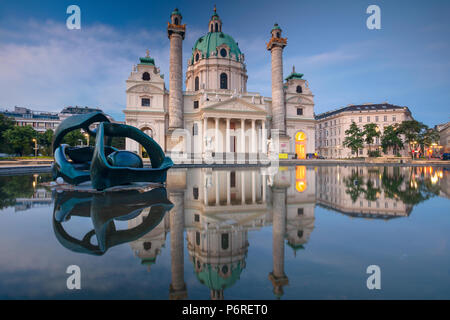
{"x": 427, "y": 137}
{"x": 74, "y": 138}
{"x": 5, "y": 124}
{"x": 45, "y": 142}
{"x": 20, "y": 139}
{"x": 354, "y": 138}
{"x": 370, "y": 132}
{"x": 391, "y": 139}
{"x": 411, "y": 130}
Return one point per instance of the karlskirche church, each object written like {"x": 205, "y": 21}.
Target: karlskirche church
{"x": 215, "y": 115}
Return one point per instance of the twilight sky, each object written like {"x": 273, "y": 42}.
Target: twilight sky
{"x": 45, "y": 66}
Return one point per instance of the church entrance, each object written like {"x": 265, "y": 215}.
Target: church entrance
{"x": 142, "y": 151}
{"x": 300, "y": 145}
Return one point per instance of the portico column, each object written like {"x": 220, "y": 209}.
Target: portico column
{"x": 243, "y": 187}
{"x": 228, "y": 188}
{"x": 242, "y": 135}
{"x": 205, "y": 130}
{"x": 217, "y": 135}
{"x": 263, "y": 137}
{"x": 254, "y": 145}
{"x": 227, "y": 141}
{"x": 217, "y": 189}
{"x": 253, "y": 187}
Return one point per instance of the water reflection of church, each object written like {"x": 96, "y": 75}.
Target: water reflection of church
{"x": 218, "y": 208}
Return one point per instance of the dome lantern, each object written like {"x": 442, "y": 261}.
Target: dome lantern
{"x": 215, "y": 24}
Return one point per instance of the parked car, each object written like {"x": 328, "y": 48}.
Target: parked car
{"x": 445, "y": 156}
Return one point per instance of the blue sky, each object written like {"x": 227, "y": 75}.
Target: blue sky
{"x": 45, "y": 66}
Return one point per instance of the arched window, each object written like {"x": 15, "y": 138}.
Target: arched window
{"x": 223, "y": 52}
{"x": 212, "y": 27}
{"x": 217, "y": 27}
{"x": 197, "y": 238}
{"x": 146, "y": 76}
{"x": 278, "y": 34}
{"x": 176, "y": 21}
{"x": 197, "y": 56}
{"x": 224, "y": 241}
{"x": 223, "y": 81}
{"x": 197, "y": 84}
{"x": 299, "y": 89}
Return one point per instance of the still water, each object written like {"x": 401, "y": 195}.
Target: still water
{"x": 294, "y": 233}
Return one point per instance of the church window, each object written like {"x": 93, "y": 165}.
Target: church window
{"x": 217, "y": 28}
{"x": 197, "y": 56}
{"x": 146, "y": 76}
{"x": 223, "y": 81}
{"x": 300, "y": 233}
{"x": 196, "y": 217}
{"x": 299, "y": 89}
{"x": 147, "y": 246}
{"x": 197, "y": 84}
{"x": 300, "y": 211}
{"x": 212, "y": 27}
{"x": 196, "y": 104}
{"x": 197, "y": 238}
{"x": 145, "y": 102}
{"x": 176, "y": 21}
{"x": 195, "y": 193}
{"x": 225, "y": 269}
{"x": 299, "y": 111}
{"x": 223, "y": 52}
{"x": 195, "y": 129}
{"x": 224, "y": 241}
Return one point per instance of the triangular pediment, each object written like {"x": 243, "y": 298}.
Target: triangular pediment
{"x": 145, "y": 88}
{"x": 235, "y": 105}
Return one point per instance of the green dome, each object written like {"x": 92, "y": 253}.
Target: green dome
{"x": 214, "y": 281}
{"x": 211, "y": 41}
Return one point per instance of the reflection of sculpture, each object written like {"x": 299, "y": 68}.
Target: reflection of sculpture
{"x": 104, "y": 165}
{"x": 103, "y": 209}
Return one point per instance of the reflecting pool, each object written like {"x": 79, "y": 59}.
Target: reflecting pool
{"x": 296, "y": 232}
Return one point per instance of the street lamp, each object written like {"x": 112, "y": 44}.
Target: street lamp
{"x": 35, "y": 147}
{"x": 86, "y": 135}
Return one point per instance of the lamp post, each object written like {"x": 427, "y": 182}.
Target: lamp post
{"x": 86, "y": 135}
{"x": 35, "y": 147}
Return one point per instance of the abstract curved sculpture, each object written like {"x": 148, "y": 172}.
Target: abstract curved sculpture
{"x": 104, "y": 210}
{"x": 104, "y": 165}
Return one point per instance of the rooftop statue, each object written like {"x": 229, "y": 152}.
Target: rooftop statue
{"x": 104, "y": 165}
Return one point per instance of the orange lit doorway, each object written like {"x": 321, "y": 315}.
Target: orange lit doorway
{"x": 300, "y": 178}
{"x": 300, "y": 145}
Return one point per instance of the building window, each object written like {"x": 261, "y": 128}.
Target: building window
{"x": 196, "y": 217}
{"x": 145, "y": 102}
{"x": 385, "y": 118}
{"x": 299, "y": 89}
{"x": 194, "y": 129}
{"x": 300, "y": 211}
{"x": 195, "y": 193}
{"x": 146, "y": 76}
{"x": 223, "y": 81}
{"x": 195, "y": 104}
{"x": 376, "y": 119}
{"x": 394, "y": 118}
{"x": 360, "y": 119}
{"x": 300, "y": 233}
{"x": 223, "y": 52}
{"x": 217, "y": 28}
{"x": 299, "y": 111}
{"x": 197, "y": 83}
{"x": 368, "y": 119}
{"x": 197, "y": 56}
{"x": 224, "y": 241}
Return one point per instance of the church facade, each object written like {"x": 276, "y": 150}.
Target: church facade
{"x": 215, "y": 117}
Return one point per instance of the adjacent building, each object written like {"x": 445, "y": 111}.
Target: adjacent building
{"x": 42, "y": 121}
{"x": 331, "y": 126}
{"x": 444, "y": 136}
